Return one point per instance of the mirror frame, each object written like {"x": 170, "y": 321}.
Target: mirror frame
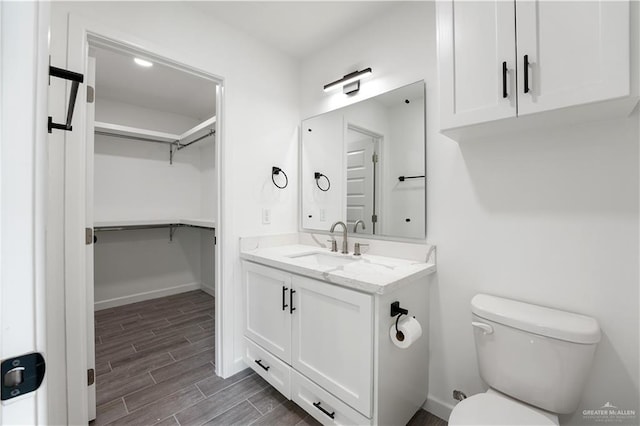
{"x": 419, "y": 240}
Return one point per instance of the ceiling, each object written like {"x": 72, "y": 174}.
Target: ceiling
{"x": 158, "y": 87}
{"x": 298, "y": 28}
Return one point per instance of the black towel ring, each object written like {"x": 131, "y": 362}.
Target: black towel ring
{"x": 276, "y": 171}
{"x": 317, "y": 176}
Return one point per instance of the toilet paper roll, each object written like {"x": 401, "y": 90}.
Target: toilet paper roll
{"x": 409, "y": 330}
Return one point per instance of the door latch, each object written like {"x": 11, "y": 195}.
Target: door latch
{"x": 22, "y": 374}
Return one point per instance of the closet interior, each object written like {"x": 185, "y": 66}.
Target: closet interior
{"x": 152, "y": 197}
{"x": 154, "y": 189}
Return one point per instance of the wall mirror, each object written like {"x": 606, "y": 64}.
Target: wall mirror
{"x": 367, "y": 162}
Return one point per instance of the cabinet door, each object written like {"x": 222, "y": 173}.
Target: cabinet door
{"x": 332, "y": 341}
{"x": 268, "y": 320}
{"x": 475, "y": 39}
{"x": 578, "y": 52}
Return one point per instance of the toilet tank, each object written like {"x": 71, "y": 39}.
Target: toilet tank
{"x": 539, "y": 355}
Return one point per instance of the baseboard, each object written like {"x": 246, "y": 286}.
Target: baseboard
{"x": 209, "y": 290}
{"x": 438, "y": 408}
{"x": 147, "y": 295}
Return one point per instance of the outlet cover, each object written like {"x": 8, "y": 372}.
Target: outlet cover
{"x": 266, "y": 216}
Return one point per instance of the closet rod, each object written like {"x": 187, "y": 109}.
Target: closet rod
{"x": 137, "y": 138}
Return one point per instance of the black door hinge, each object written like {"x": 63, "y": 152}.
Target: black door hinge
{"x": 91, "y": 376}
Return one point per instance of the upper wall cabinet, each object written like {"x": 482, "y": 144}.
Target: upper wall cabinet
{"x": 507, "y": 59}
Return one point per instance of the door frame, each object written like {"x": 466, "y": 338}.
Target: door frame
{"x": 24, "y": 71}
{"x": 378, "y": 172}
{"x": 81, "y": 33}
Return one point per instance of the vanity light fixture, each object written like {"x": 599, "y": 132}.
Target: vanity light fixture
{"x": 143, "y": 62}
{"x": 350, "y": 83}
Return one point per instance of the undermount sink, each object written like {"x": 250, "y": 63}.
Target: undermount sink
{"x": 322, "y": 259}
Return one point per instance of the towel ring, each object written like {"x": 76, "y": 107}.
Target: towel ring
{"x": 276, "y": 171}
{"x": 317, "y": 176}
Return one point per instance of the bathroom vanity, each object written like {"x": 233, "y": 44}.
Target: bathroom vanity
{"x": 317, "y": 328}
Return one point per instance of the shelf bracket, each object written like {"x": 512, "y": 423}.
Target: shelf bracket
{"x": 173, "y": 148}
{"x": 172, "y": 231}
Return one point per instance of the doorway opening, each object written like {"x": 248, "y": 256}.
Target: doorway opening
{"x": 151, "y": 196}
{"x": 363, "y": 178}
{"x": 142, "y": 173}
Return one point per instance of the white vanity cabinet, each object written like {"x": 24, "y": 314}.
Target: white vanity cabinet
{"x": 268, "y": 316}
{"x": 327, "y": 346}
{"x": 323, "y": 331}
{"x": 332, "y": 338}
{"x": 502, "y": 59}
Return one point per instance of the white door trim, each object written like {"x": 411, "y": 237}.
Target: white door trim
{"x": 23, "y": 146}
{"x": 81, "y": 32}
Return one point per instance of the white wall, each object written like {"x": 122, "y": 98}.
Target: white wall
{"x": 259, "y": 129}
{"x": 405, "y": 157}
{"x": 132, "y": 265}
{"x": 323, "y": 151}
{"x": 549, "y": 217}
{"x": 134, "y": 180}
{"x": 117, "y": 112}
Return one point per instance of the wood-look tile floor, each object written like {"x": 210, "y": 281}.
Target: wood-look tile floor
{"x": 155, "y": 365}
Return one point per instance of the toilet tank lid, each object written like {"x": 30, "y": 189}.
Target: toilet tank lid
{"x": 537, "y": 319}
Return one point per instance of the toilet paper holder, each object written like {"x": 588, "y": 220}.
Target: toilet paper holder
{"x": 397, "y": 310}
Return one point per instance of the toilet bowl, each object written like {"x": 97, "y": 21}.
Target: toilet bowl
{"x": 493, "y": 409}
{"x": 536, "y": 361}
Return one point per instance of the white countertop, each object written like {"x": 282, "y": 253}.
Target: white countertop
{"x": 367, "y": 273}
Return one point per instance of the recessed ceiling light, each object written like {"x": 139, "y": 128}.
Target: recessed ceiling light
{"x": 142, "y": 62}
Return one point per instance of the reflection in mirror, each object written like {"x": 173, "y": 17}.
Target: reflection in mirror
{"x": 365, "y": 164}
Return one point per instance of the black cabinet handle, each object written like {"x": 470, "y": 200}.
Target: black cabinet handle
{"x": 284, "y": 295}
{"x": 504, "y": 80}
{"x": 317, "y": 405}
{"x": 258, "y": 361}
{"x": 526, "y": 73}
{"x": 291, "y": 308}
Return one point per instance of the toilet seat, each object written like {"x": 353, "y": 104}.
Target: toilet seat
{"x": 492, "y": 409}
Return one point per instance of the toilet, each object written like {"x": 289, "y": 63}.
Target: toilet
{"x": 536, "y": 361}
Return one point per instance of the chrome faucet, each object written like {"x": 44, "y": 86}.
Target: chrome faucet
{"x": 355, "y": 226}
{"x": 345, "y": 246}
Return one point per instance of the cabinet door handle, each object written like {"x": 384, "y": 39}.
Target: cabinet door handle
{"x": 332, "y": 414}
{"x": 504, "y": 80}
{"x": 259, "y": 362}
{"x": 284, "y": 296}
{"x": 526, "y": 73}
{"x": 291, "y": 308}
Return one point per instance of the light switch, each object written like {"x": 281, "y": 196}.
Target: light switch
{"x": 266, "y": 216}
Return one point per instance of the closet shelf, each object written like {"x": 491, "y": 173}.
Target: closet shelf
{"x": 110, "y": 129}
{"x": 124, "y": 225}
{"x": 175, "y": 142}
{"x": 172, "y": 224}
{"x": 202, "y": 130}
